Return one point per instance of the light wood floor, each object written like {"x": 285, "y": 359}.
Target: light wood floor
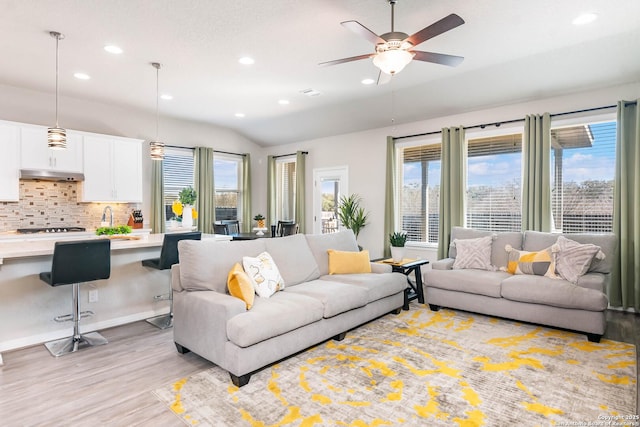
{"x": 111, "y": 385}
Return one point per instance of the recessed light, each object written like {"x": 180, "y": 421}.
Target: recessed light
{"x": 585, "y": 18}
{"x": 283, "y": 102}
{"x": 245, "y": 60}
{"x": 368, "y": 81}
{"x": 81, "y": 76}
{"x": 113, "y": 49}
{"x": 166, "y": 96}
{"x": 239, "y": 115}
{"x": 310, "y": 92}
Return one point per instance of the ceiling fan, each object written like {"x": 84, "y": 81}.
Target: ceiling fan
{"x": 394, "y": 50}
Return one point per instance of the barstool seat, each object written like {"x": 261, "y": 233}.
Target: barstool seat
{"x": 73, "y": 263}
{"x": 168, "y": 257}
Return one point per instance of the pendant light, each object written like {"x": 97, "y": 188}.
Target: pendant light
{"x": 157, "y": 147}
{"x": 56, "y": 136}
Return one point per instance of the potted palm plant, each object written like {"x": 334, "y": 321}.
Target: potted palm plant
{"x": 351, "y": 214}
{"x": 397, "y": 240}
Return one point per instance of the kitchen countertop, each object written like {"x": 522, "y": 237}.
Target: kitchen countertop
{"x": 38, "y": 246}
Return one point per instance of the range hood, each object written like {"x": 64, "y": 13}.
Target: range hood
{"x": 48, "y": 175}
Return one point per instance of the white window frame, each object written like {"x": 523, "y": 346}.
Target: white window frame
{"x": 239, "y": 190}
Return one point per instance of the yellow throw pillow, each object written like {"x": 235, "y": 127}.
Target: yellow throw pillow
{"x": 240, "y": 285}
{"x": 540, "y": 263}
{"x": 344, "y": 262}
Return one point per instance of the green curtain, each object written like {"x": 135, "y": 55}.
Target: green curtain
{"x": 157, "y": 197}
{"x": 271, "y": 190}
{"x": 536, "y": 173}
{"x": 625, "y": 286}
{"x": 205, "y": 203}
{"x": 453, "y": 180}
{"x": 246, "y": 193}
{"x": 390, "y": 195}
{"x": 300, "y": 214}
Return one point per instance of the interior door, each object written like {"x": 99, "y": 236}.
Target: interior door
{"x": 329, "y": 185}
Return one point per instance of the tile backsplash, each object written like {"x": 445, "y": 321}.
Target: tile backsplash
{"x": 55, "y": 204}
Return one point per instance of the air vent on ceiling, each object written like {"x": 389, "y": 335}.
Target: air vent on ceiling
{"x": 310, "y": 92}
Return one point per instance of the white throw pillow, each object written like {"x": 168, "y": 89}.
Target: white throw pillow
{"x": 573, "y": 259}
{"x": 264, "y": 274}
{"x": 473, "y": 253}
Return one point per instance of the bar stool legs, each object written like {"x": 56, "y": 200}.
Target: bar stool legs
{"x": 77, "y": 341}
{"x": 164, "y": 321}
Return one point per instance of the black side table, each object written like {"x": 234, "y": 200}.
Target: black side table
{"x": 414, "y": 290}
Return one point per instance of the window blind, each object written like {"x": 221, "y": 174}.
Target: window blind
{"x": 583, "y": 172}
{"x": 494, "y": 183}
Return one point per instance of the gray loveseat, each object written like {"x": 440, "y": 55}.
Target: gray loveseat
{"x": 313, "y": 307}
{"x": 530, "y": 298}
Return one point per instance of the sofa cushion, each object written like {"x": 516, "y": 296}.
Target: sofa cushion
{"x": 264, "y": 274}
{"x": 540, "y": 263}
{"x": 556, "y": 293}
{"x": 240, "y": 285}
{"x": 348, "y": 262}
{"x": 473, "y": 253}
{"x": 204, "y": 264}
{"x": 536, "y": 240}
{"x": 320, "y": 243}
{"x": 378, "y": 286}
{"x": 470, "y": 281}
{"x": 574, "y": 259}
{"x": 294, "y": 259}
{"x": 270, "y": 317}
{"x": 498, "y": 255}
{"x": 335, "y": 297}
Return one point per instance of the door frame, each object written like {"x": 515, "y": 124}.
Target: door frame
{"x": 339, "y": 173}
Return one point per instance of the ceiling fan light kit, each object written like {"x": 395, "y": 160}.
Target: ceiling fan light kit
{"x": 394, "y": 50}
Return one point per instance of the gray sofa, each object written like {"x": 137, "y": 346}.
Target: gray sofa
{"x": 313, "y": 307}
{"x": 530, "y": 298}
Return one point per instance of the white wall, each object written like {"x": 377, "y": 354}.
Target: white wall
{"x": 365, "y": 152}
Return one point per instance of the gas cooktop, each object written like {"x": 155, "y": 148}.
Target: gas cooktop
{"x": 50, "y": 230}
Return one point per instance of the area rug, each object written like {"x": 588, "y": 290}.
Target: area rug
{"x": 424, "y": 368}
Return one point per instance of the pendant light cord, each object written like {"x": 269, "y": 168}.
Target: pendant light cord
{"x": 57, "y": 41}
{"x": 157, "y": 101}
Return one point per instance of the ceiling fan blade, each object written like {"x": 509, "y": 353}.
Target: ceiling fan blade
{"x": 445, "y": 24}
{"x": 362, "y": 31}
{"x": 343, "y": 60}
{"x": 437, "y": 58}
{"x": 383, "y": 78}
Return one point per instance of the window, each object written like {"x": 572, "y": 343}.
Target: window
{"x": 419, "y": 192}
{"x": 178, "y": 170}
{"x": 285, "y": 189}
{"x": 227, "y": 179}
{"x": 494, "y": 183}
{"x": 583, "y": 171}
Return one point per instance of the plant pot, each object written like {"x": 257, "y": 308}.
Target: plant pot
{"x": 187, "y": 216}
{"x": 397, "y": 253}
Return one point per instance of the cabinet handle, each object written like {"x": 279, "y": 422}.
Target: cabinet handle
{"x": 50, "y": 162}
{"x": 55, "y": 162}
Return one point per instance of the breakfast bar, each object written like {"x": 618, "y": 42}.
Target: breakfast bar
{"x": 28, "y": 306}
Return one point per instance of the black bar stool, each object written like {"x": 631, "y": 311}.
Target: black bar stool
{"x": 73, "y": 263}
{"x": 168, "y": 257}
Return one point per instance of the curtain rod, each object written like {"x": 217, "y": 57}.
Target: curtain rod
{"x": 290, "y": 154}
{"x": 215, "y": 151}
{"x": 482, "y": 126}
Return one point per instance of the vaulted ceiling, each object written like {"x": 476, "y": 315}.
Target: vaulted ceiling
{"x": 514, "y": 51}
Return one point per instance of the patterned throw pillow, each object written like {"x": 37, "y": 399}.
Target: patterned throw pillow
{"x": 473, "y": 253}
{"x": 574, "y": 259}
{"x": 240, "y": 285}
{"x": 264, "y": 274}
{"x": 540, "y": 263}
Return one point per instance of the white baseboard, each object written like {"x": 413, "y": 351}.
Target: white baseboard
{"x": 84, "y": 327}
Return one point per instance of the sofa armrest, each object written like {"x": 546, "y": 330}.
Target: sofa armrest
{"x": 443, "y": 264}
{"x": 379, "y": 268}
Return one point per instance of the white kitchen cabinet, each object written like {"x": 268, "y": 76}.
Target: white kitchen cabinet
{"x": 112, "y": 169}
{"x": 35, "y": 154}
{"x": 9, "y": 162}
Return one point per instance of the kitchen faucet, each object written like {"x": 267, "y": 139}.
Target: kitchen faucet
{"x": 104, "y": 215}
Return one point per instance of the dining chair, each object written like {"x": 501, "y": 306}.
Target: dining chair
{"x": 288, "y": 229}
